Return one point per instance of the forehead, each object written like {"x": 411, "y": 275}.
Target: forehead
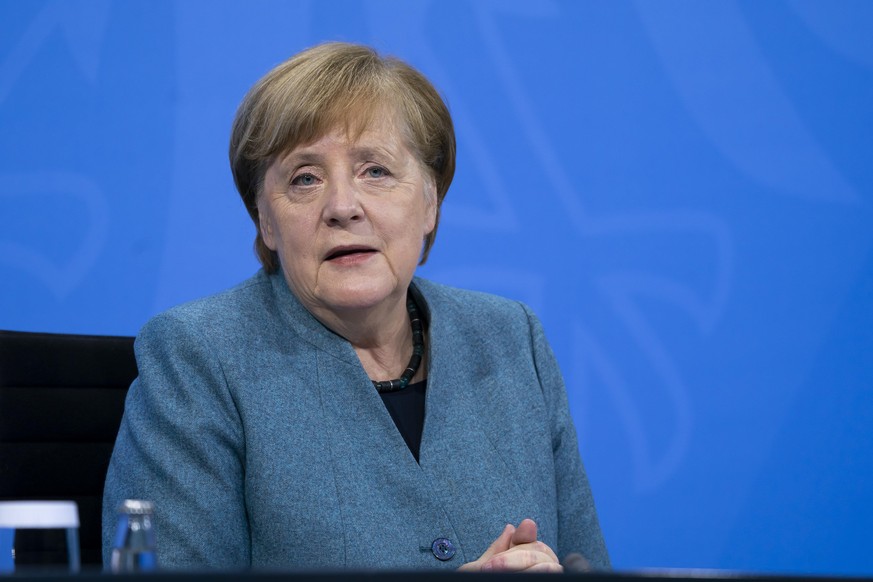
{"x": 379, "y": 132}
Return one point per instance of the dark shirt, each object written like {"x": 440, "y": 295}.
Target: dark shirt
{"x": 407, "y": 409}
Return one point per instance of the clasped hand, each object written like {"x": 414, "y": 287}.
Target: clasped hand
{"x": 516, "y": 549}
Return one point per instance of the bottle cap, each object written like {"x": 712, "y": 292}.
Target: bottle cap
{"x": 136, "y": 507}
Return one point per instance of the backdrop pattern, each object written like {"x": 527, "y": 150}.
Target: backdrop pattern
{"x": 682, "y": 190}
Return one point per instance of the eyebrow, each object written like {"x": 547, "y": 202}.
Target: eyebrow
{"x": 373, "y": 151}
{"x": 306, "y": 158}
{"x": 303, "y": 158}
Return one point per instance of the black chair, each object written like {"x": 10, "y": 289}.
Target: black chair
{"x": 61, "y": 401}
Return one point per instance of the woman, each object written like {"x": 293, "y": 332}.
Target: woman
{"x": 334, "y": 411}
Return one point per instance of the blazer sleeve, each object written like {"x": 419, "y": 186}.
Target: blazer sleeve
{"x": 578, "y": 526}
{"x": 181, "y": 446}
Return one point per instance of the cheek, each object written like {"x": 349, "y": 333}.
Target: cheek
{"x": 284, "y": 230}
{"x": 304, "y": 240}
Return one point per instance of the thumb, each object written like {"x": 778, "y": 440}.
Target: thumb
{"x": 526, "y": 533}
{"x": 501, "y": 544}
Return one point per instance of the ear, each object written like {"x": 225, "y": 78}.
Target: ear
{"x": 430, "y": 200}
{"x": 265, "y": 224}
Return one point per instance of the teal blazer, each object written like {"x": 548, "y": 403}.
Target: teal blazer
{"x": 260, "y": 439}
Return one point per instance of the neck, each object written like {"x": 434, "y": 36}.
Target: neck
{"x": 381, "y": 337}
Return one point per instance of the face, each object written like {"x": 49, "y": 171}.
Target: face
{"x": 347, "y": 219}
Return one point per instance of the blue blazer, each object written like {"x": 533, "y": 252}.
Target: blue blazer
{"x": 260, "y": 439}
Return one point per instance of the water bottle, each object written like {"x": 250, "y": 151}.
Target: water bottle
{"x": 134, "y": 547}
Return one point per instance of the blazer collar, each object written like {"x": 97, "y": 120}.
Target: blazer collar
{"x": 305, "y": 325}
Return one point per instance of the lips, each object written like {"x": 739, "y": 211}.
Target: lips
{"x": 344, "y": 251}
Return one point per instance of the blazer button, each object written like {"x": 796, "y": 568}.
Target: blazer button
{"x": 443, "y": 549}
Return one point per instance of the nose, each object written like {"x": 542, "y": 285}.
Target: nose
{"x": 342, "y": 203}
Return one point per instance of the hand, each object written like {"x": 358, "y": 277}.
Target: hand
{"x": 516, "y": 550}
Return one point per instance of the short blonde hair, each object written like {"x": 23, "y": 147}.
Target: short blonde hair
{"x": 327, "y": 86}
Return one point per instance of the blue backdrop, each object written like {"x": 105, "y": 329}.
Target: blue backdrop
{"x": 682, "y": 190}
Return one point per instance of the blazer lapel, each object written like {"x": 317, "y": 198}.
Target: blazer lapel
{"x": 458, "y": 452}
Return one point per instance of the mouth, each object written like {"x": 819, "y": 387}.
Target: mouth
{"x": 345, "y": 251}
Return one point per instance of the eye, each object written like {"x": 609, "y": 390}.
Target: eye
{"x": 305, "y": 179}
{"x": 376, "y": 172}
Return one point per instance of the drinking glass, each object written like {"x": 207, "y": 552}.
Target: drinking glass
{"x": 39, "y": 536}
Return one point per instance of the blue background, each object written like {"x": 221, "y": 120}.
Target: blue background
{"x": 681, "y": 189}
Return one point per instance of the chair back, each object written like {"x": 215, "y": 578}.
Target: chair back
{"x": 61, "y": 401}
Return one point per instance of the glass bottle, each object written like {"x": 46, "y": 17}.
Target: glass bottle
{"x": 134, "y": 546}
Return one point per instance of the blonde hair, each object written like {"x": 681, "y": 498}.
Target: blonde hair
{"x": 330, "y": 85}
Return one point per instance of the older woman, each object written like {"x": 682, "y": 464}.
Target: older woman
{"x": 334, "y": 411}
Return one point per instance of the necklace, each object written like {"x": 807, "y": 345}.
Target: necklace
{"x": 417, "y": 351}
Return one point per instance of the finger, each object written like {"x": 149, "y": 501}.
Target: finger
{"x": 501, "y": 544}
{"x": 525, "y": 533}
{"x": 538, "y": 546}
{"x": 545, "y": 567}
{"x": 518, "y": 559}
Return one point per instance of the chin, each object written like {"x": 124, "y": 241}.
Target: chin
{"x": 362, "y": 294}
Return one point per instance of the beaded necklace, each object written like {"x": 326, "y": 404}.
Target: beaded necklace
{"x": 417, "y": 351}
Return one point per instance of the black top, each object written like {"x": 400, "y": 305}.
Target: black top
{"x": 407, "y": 409}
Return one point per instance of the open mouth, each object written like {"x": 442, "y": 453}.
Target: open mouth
{"x": 346, "y": 251}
